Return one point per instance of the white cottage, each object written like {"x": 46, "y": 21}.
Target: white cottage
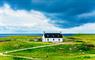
{"x": 52, "y": 37}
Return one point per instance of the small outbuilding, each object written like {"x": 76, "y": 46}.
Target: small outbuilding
{"x": 52, "y": 37}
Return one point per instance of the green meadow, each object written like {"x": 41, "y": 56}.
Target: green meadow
{"x": 75, "y": 47}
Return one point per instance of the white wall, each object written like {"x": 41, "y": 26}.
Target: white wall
{"x": 52, "y": 39}
{"x": 43, "y": 39}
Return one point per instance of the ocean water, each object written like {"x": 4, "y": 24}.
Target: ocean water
{"x": 5, "y": 35}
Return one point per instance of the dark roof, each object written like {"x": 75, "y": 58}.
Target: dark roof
{"x": 53, "y": 35}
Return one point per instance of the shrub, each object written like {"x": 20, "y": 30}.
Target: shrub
{"x": 85, "y": 47}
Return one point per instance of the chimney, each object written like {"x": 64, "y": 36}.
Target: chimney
{"x": 60, "y": 32}
{"x": 43, "y": 32}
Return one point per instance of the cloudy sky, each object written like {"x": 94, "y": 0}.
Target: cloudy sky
{"x": 36, "y": 16}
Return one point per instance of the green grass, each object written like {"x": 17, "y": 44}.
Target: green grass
{"x": 60, "y": 52}
{"x": 5, "y": 58}
{"x": 79, "y": 51}
{"x": 19, "y": 42}
{"x": 28, "y": 38}
{"x": 12, "y": 58}
{"x": 88, "y": 38}
{"x": 12, "y": 45}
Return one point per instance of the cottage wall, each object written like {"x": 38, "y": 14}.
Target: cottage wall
{"x": 44, "y": 39}
{"x": 52, "y": 39}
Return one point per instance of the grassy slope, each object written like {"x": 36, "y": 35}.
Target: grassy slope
{"x": 5, "y": 58}
{"x": 12, "y": 45}
{"x": 88, "y": 38}
{"x": 60, "y": 52}
{"x": 19, "y": 38}
{"x": 66, "y": 52}
{"x": 19, "y": 42}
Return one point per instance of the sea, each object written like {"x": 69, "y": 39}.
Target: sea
{"x": 6, "y": 35}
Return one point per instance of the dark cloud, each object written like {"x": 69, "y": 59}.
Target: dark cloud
{"x": 63, "y": 12}
{"x": 20, "y": 4}
{"x": 65, "y": 6}
{"x": 1, "y": 2}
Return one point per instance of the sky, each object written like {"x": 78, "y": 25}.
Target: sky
{"x": 36, "y": 16}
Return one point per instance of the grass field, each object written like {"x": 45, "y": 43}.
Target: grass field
{"x": 59, "y": 52}
{"x": 82, "y": 47}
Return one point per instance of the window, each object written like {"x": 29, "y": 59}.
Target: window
{"x": 47, "y": 39}
{"x": 53, "y": 39}
{"x": 58, "y": 39}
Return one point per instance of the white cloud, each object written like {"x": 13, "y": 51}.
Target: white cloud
{"x": 86, "y": 15}
{"x": 33, "y": 20}
{"x": 21, "y": 21}
{"x": 86, "y": 28}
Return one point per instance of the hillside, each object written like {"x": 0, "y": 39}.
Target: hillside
{"x": 75, "y": 47}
